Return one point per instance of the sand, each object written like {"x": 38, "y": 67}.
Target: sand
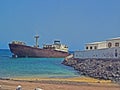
{"x": 77, "y": 83}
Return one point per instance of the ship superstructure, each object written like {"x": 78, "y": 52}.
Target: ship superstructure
{"x": 56, "y": 46}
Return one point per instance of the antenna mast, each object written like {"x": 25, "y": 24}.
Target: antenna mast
{"x": 36, "y": 40}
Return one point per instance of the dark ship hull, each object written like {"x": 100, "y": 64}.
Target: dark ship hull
{"x": 28, "y": 51}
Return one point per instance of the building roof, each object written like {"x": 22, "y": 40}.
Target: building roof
{"x": 117, "y": 38}
{"x": 95, "y": 43}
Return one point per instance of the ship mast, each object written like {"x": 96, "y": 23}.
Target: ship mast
{"x": 36, "y": 39}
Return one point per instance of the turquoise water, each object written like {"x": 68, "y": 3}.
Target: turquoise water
{"x": 33, "y": 67}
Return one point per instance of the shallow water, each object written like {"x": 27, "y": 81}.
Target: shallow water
{"x": 33, "y": 67}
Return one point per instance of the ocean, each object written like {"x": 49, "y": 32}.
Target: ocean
{"x": 33, "y": 67}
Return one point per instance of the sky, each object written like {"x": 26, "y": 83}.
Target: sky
{"x": 73, "y": 22}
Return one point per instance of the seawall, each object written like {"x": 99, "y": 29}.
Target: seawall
{"x": 108, "y": 69}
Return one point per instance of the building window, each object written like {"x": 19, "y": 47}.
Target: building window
{"x": 117, "y": 44}
{"x": 76, "y": 55}
{"x": 86, "y": 47}
{"x": 91, "y": 47}
{"x": 116, "y": 53}
{"x": 95, "y": 47}
{"x": 109, "y": 44}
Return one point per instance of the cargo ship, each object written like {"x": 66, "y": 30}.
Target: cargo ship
{"x": 55, "y": 50}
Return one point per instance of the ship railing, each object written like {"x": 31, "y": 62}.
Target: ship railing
{"x": 18, "y": 42}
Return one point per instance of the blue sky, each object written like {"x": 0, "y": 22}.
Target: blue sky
{"x": 74, "y": 22}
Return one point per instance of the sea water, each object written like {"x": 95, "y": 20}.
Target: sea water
{"x": 33, "y": 67}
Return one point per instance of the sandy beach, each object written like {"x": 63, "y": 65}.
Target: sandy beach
{"x": 77, "y": 83}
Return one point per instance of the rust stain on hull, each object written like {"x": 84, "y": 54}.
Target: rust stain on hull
{"x": 28, "y": 51}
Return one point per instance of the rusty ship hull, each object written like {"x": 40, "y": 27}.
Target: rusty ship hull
{"x": 28, "y": 51}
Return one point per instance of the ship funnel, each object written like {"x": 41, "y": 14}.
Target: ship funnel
{"x": 36, "y": 40}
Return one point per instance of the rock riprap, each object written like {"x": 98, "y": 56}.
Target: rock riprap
{"x": 107, "y": 69}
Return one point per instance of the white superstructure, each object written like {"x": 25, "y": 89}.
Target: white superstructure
{"x": 57, "y": 46}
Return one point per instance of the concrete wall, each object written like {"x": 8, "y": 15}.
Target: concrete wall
{"x": 99, "y": 53}
{"x": 102, "y": 45}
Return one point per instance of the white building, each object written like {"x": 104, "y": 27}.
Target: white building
{"x": 114, "y": 42}
{"x": 105, "y": 49}
{"x": 95, "y": 45}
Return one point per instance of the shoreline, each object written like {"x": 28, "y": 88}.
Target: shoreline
{"x": 68, "y": 79}
{"x": 75, "y": 83}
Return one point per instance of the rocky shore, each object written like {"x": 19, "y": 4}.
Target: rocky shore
{"x": 107, "y": 69}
